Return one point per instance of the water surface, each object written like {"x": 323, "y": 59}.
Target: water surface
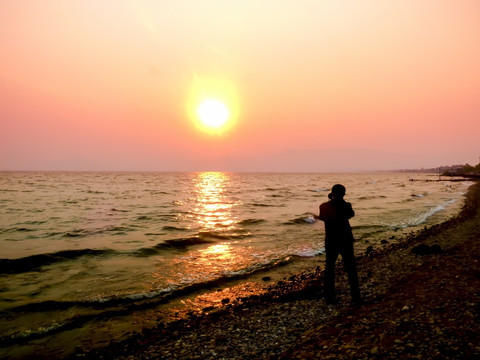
{"x": 84, "y": 252}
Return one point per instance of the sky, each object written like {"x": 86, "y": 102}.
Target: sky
{"x": 310, "y": 86}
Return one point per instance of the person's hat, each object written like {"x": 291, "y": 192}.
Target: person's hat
{"x": 338, "y": 191}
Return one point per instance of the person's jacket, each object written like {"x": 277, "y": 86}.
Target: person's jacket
{"x": 335, "y": 213}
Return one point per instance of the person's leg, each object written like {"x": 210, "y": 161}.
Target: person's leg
{"x": 331, "y": 258}
{"x": 349, "y": 264}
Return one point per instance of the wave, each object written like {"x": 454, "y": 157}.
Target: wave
{"x": 378, "y": 227}
{"x": 111, "y": 229}
{"x": 372, "y": 197}
{"x": 365, "y": 231}
{"x": 306, "y": 219}
{"x": 43, "y": 331}
{"x": 263, "y": 205}
{"x": 122, "y": 305}
{"x": 157, "y": 192}
{"x": 16, "y": 229}
{"x": 201, "y": 238}
{"x": 420, "y": 195}
{"x": 175, "y": 244}
{"x": 307, "y": 253}
{"x": 247, "y": 222}
{"x": 173, "y": 228}
{"x": 216, "y": 235}
{"x": 422, "y": 218}
{"x": 277, "y": 189}
{"x": 189, "y": 241}
{"x": 158, "y": 295}
{"x": 93, "y": 192}
{"x": 144, "y": 218}
{"x": 34, "y": 262}
{"x": 119, "y": 210}
{"x": 36, "y": 222}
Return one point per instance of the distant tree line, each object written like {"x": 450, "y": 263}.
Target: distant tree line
{"x": 464, "y": 170}
{"x": 469, "y": 168}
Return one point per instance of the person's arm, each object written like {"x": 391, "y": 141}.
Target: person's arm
{"x": 321, "y": 216}
{"x": 350, "y": 213}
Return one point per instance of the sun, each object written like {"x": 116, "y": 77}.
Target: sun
{"x": 213, "y": 113}
{"x": 213, "y": 105}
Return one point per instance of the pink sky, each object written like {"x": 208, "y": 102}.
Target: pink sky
{"x": 319, "y": 85}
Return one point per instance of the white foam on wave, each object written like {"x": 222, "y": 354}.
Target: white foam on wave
{"x": 150, "y": 294}
{"x": 136, "y": 296}
{"x": 422, "y": 218}
{"x": 310, "y": 219}
{"x": 320, "y": 190}
{"x": 310, "y": 252}
{"x": 41, "y": 330}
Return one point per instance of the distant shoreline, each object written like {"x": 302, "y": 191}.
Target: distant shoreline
{"x": 392, "y": 171}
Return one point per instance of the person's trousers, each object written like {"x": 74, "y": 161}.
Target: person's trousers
{"x": 346, "y": 250}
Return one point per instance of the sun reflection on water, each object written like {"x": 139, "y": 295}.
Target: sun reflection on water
{"x": 213, "y": 215}
{"x": 213, "y": 208}
{"x": 216, "y": 258}
{"x": 215, "y": 220}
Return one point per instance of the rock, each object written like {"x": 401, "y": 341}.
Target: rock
{"x": 436, "y": 249}
{"x": 225, "y": 301}
{"x": 423, "y": 249}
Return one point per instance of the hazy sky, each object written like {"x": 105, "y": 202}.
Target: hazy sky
{"x": 311, "y": 85}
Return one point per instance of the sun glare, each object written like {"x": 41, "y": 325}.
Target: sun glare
{"x": 213, "y": 105}
{"x": 213, "y": 113}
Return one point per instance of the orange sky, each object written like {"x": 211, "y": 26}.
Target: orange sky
{"x": 319, "y": 85}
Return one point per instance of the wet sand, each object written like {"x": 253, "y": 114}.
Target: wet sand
{"x": 420, "y": 302}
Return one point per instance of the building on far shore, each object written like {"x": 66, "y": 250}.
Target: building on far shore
{"x": 465, "y": 170}
{"x": 436, "y": 170}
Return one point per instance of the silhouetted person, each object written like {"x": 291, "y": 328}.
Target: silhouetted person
{"x": 339, "y": 240}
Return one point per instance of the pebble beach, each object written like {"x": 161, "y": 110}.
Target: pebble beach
{"x": 422, "y": 300}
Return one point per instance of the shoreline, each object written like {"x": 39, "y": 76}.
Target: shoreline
{"x": 293, "y": 312}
